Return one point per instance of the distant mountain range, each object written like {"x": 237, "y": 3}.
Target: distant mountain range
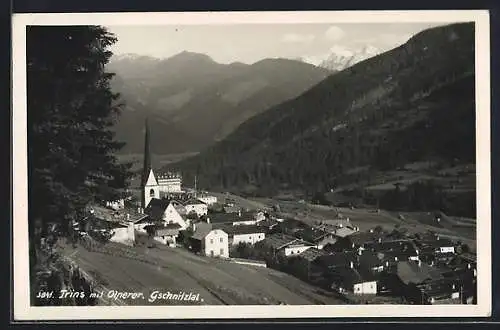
{"x": 340, "y": 58}
{"x": 415, "y": 103}
{"x": 192, "y": 101}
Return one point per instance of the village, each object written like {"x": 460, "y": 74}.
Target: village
{"x": 364, "y": 266}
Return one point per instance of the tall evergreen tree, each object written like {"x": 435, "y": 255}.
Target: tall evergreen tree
{"x": 71, "y": 111}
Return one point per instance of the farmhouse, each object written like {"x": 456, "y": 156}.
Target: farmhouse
{"x": 238, "y": 218}
{"x": 166, "y": 211}
{"x": 209, "y": 241}
{"x": 249, "y": 234}
{"x": 318, "y": 237}
{"x": 167, "y": 235}
{"x": 286, "y": 245}
{"x": 196, "y": 206}
{"x": 302, "y": 265}
{"x": 207, "y": 199}
{"x": 352, "y": 280}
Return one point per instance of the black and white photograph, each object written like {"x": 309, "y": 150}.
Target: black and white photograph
{"x": 258, "y": 165}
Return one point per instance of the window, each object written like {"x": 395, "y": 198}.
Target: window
{"x": 152, "y": 193}
{"x": 211, "y": 241}
{"x": 221, "y": 251}
{"x": 211, "y": 253}
{"x": 221, "y": 239}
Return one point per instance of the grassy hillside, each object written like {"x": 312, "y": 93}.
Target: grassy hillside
{"x": 415, "y": 103}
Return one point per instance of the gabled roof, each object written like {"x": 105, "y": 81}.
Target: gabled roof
{"x": 415, "y": 272}
{"x": 348, "y": 277}
{"x": 231, "y": 217}
{"x": 194, "y": 201}
{"x": 167, "y": 232}
{"x": 341, "y": 259}
{"x": 369, "y": 260}
{"x": 202, "y": 230}
{"x": 243, "y": 229}
{"x": 311, "y": 254}
{"x": 279, "y": 241}
{"x": 312, "y": 235}
{"x": 156, "y": 208}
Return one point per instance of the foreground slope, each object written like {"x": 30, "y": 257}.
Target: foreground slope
{"x": 218, "y": 282}
{"x": 415, "y": 103}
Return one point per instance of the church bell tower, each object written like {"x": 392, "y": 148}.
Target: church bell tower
{"x": 149, "y": 185}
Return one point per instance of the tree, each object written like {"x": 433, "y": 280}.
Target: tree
{"x": 71, "y": 113}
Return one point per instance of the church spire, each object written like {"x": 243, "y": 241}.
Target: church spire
{"x": 147, "y": 157}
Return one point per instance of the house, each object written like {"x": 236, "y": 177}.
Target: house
{"x": 167, "y": 212}
{"x": 249, "y": 234}
{"x": 399, "y": 250}
{"x": 370, "y": 261}
{"x": 302, "y": 265}
{"x": 441, "y": 291}
{"x": 407, "y": 275}
{"x": 116, "y": 205}
{"x": 209, "y": 241}
{"x": 196, "y": 206}
{"x": 286, "y": 245}
{"x": 168, "y": 235}
{"x": 238, "y": 218}
{"x": 207, "y": 199}
{"x": 352, "y": 280}
{"x": 231, "y": 209}
{"x": 316, "y": 236}
{"x": 437, "y": 246}
{"x": 124, "y": 234}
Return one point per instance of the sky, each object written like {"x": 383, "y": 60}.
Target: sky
{"x": 249, "y": 43}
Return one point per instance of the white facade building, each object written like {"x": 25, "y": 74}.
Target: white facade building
{"x": 207, "y": 199}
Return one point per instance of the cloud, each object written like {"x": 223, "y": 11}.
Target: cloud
{"x": 334, "y": 33}
{"x": 386, "y": 40}
{"x": 298, "y": 38}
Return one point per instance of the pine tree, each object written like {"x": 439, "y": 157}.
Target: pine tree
{"x": 71, "y": 111}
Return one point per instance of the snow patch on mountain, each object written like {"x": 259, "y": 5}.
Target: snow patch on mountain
{"x": 339, "y": 57}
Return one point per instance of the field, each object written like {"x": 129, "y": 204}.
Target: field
{"x": 462, "y": 229}
{"x": 218, "y": 282}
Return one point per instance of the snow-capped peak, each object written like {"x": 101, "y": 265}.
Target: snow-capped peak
{"x": 339, "y": 58}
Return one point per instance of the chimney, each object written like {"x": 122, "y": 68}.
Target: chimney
{"x": 139, "y": 210}
{"x": 208, "y": 220}
{"x": 380, "y": 240}
{"x": 395, "y": 258}
{"x": 194, "y": 226}
{"x": 360, "y": 252}
{"x": 468, "y": 266}
{"x": 387, "y": 264}
{"x": 437, "y": 237}
{"x": 239, "y": 213}
{"x": 351, "y": 265}
{"x": 419, "y": 263}
{"x": 128, "y": 216}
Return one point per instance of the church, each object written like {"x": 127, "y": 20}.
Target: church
{"x": 160, "y": 185}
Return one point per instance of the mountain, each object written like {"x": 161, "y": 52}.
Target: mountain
{"x": 192, "y": 101}
{"x": 340, "y": 58}
{"x": 366, "y": 128}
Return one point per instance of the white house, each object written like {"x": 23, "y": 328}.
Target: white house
{"x": 245, "y": 234}
{"x": 116, "y": 205}
{"x": 167, "y": 235}
{"x": 166, "y": 211}
{"x": 287, "y": 245}
{"x": 124, "y": 234}
{"x": 196, "y": 206}
{"x": 207, "y": 199}
{"x": 350, "y": 279}
{"x": 210, "y": 242}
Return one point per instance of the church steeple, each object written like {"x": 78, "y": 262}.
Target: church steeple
{"x": 147, "y": 157}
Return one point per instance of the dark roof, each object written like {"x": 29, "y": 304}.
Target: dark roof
{"x": 311, "y": 234}
{"x": 360, "y": 238}
{"x": 341, "y": 259}
{"x": 167, "y": 232}
{"x": 193, "y": 201}
{"x": 231, "y": 209}
{"x": 156, "y": 208}
{"x": 243, "y": 229}
{"x": 278, "y": 241}
{"x": 221, "y": 218}
{"x": 202, "y": 230}
{"x": 311, "y": 254}
{"x": 436, "y": 243}
{"x": 403, "y": 246}
{"x": 369, "y": 260}
{"x": 347, "y": 276}
{"x": 415, "y": 272}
